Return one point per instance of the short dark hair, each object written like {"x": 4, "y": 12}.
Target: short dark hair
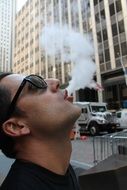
{"x": 6, "y": 142}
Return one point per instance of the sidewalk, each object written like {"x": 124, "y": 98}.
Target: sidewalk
{"x": 82, "y": 151}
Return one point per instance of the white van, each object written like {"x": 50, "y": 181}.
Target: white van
{"x": 122, "y": 118}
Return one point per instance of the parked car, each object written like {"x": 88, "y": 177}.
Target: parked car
{"x": 122, "y": 118}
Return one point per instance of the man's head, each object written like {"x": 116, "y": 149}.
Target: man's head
{"x": 33, "y": 108}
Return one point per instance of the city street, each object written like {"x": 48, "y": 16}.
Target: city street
{"x": 83, "y": 45}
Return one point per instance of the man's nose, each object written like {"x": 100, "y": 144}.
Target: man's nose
{"x": 53, "y": 84}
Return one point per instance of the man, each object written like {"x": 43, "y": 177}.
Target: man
{"x": 36, "y": 119}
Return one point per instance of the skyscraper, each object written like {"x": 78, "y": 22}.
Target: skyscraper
{"x": 109, "y": 25}
{"x": 30, "y": 20}
{"x": 106, "y": 20}
{"x": 7, "y": 18}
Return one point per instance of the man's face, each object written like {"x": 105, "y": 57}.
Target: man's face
{"x": 48, "y": 111}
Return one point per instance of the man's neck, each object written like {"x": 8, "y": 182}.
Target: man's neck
{"x": 54, "y": 156}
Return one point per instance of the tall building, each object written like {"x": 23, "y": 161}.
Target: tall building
{"x": 109, "y": 25}
{"x": 7, "y": 18}
{"x": 30, "y": 20}
{"x": 105, "y": 19}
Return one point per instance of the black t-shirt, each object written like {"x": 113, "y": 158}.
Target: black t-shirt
{"x": 29, "y": 176}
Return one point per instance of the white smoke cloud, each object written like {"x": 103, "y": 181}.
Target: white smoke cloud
{"x": 75, "y": 47}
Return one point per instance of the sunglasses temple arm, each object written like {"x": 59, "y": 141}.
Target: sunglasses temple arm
{"x": 14, "y": 100}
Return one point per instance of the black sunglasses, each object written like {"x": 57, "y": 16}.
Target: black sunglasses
{"x": 37, "y": 81}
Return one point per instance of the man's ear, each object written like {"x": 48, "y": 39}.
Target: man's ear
{"x": 15, "y": 128}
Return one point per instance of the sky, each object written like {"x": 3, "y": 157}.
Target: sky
{"x": 20, "y": 3}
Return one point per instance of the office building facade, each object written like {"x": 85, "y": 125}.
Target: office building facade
{"x": 106, "y": 20}
{"x": 30, "y": 20}
{"x": 109, "y": 25}
{"x": 7, "y": 20}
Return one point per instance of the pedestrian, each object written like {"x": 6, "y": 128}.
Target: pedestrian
{"x": 36, "y": 119}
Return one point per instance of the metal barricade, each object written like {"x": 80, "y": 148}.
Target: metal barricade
{"x": 109, "y": 144}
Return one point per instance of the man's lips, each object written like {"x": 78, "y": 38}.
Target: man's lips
{"x": 70, "y": 98}
{"x": 65, "y": 94}
{"x": 66, "y": 97}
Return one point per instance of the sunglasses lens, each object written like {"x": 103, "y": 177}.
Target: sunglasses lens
{"x": 38, "y": 81}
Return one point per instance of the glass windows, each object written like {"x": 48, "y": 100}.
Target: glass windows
{"x": 97, "y": 18}
{"x": 124, "y": 48}
{"x": 105, "y": 37}
{"x": 118, "y": 6}
{"x": 95, "y": 2}
{"x": 114, "y": 30}
{"x": 102, "y": 14}
{"x": 107, "y": 55}
{"x": 112, "y": 9}
{"x": 117, "y": 51}
{"x": 99, "y": 37}
{"x": 121, "y": 26}
{"x": 101, "y": 58}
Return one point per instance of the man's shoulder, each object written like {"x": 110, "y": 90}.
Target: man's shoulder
{"x": 24, "y": 176}
{"x": 19, "y": 177}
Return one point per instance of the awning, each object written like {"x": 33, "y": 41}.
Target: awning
{"x": 114, "y": 80}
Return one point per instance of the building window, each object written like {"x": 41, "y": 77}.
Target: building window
{"x": 36, "y": 49}
{"x": 114, "y": 30}
{"x": 121, "y": 26}
{"x": 26, "y": 68}
{"x": 101, "y": 58}
{"x": 107, "y": 55}
{"x": 124, "y": 48}
{"x": 97, "y": 18}
{"x": 37, "y": 25}
{"x": 26, "y": 45}
{"x": 95, "y": 2}
{"x": 37, "y": 62}
{"x": 105, "y": 37}
{"x": 99, "y": 37}
{"x": 118, "y": 5}
{"x": 103, "y": 14}
{"x": 31, "y": 65}
{"x": 31, "y": 52}
{"x": 22, "y": 59}
{"x": 31, "y": 42}
{"x": 26, "y": 56}
{"x": 27, "y": 35}
{"x": 117, "y": 51}
{"x": 112, "y": 9}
